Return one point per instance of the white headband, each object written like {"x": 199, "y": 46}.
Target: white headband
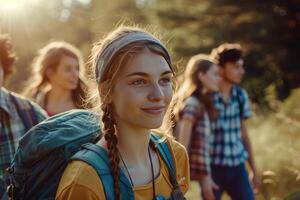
{"x": 109, "y": 51}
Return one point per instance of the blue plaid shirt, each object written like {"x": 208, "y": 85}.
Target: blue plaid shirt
{"x": 12, "y": 128}
{"x": 226, "y": 146}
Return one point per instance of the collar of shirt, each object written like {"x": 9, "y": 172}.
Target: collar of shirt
{"x": 5, "y": 100}
{"x": 233, "y": 94}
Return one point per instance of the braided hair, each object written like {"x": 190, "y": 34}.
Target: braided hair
{"x": 112, "y": 141}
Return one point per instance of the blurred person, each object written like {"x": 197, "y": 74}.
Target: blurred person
{"x": 193, "y": 111}
{"x": 58, "y": 83}
{"x": 134, "y": 74}
{"x": 230, "y": 144}
{"x": 17, "y": 114}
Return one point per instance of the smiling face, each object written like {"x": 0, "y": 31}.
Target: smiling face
{"x": 66, "y": 74}
{"x": 211, "y": 78}
{"x": 142, "y": 91}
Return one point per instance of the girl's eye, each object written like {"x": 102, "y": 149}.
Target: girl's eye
{"x": 138, "y": 82}
{"x": 166, "y": 80}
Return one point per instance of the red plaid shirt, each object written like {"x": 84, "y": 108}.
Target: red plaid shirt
{"x": 199, "y": 145}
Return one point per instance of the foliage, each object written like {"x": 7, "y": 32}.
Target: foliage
{"x": 276, "y": 140}
{"x": 269, "y": 32}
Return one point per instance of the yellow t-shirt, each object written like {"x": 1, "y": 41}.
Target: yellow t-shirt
{"x": 80, "y": 180}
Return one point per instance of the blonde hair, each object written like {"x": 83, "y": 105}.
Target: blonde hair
{"x": 106, "y": 82}
{"x": 49, "y": 57}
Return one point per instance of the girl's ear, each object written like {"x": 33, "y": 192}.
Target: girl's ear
{"x": 104, "y": 93}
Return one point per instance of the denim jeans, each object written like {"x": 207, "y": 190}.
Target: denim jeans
{"x": 234, "y": 181}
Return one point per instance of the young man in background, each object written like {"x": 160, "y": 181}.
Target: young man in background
{"x": 230, "y": 145}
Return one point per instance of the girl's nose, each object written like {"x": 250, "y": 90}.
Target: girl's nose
{"x": 156, "y": 93}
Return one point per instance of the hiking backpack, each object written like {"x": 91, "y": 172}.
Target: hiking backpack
{"x": 46, "y": 149}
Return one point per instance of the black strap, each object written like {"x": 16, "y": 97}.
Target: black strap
{"x": 240, "y": 101}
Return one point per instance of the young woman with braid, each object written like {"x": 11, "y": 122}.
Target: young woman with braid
{"x": 58, "y": 83}
{"x": 193, "y": 111}
{"x": 134, "y": 74}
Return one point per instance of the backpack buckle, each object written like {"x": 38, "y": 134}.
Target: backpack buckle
{"x": 10, "y": 191}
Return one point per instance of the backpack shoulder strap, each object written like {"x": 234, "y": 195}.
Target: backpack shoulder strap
{"x": 166, "y": 155}
{"x": 240, "y": 100}
{"x": 28, "y": 116}
{"x": 97, "y": 157}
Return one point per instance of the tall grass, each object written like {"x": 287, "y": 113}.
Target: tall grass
{"x": 276, "y": 143}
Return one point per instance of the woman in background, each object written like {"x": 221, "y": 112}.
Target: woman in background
{"x": 192, "y": 113}
{"x": 58, "y": 85}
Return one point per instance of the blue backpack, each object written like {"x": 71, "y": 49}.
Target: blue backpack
{"x": 46, "y": 149}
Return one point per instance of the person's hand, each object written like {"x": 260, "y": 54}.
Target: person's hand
{"x": 255, "y": 181}
{"x": 207, "y": 187}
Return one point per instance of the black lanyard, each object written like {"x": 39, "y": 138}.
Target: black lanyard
{"x": 152, "y": 172}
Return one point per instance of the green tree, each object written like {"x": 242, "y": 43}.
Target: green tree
{"x": 268, "y": 31}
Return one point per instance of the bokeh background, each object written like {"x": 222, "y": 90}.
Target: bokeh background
{"x": 268, "y": 30}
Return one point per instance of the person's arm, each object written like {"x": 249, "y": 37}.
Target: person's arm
{"x": 247, "y": 145}
{"x": 246, "y": 113}
{"x": 199, "y": 126}
{"x": 185, "y": 131}
{"x": 187, "y": 120}
{"x": 206, "y": 182}
{"x": 207, "y": 186}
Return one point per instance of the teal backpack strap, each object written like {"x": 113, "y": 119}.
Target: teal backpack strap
{"x": 166, "y": 155}
{"x": 97, "y": 157}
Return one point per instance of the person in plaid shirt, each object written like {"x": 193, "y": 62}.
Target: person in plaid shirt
{"x": 193, "y": 111}
{"x": 12, "y": 125}
{"x": 229, "y": 142}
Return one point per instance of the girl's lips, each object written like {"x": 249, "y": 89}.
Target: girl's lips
{"x": 154, "y": 110}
